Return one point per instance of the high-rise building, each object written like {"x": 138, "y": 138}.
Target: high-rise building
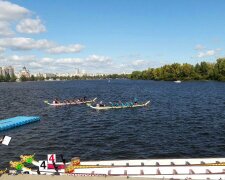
{"x": 4, "y": 71}
{"x": 49, "y": 75}
{"x": 77, "y": 72}
{"x": 11, "y": 71}
{"x": 7, "y": 71}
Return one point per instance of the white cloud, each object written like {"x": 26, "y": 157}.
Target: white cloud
{"x": 73, "y": 48}
{"x": 92, "y": 63}
{"x": 98, "y": 59}
{"x": 47, "y": 60}
{"x": 5, "y": 29}
{"x": 21, "y": 43}
{"x": 10, "y": 11}
{"x": 10, "y": 15}
{"x": 69, "y": 61}
{"x": 138, "y": 62}
{"x": 21, "y": 59}
{"x": 208, "y": 53}
{"x": 30, "y": 26}
{"x": 199, "y": 47}
{"x": 35, "y": 65}
{"x": 2, "y": 49}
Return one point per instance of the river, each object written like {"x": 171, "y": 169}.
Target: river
{"x": 183, "y": 120}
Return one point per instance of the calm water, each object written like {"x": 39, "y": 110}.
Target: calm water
{"x": 184, "y": 120}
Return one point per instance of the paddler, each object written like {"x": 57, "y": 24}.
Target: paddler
{"x": 135, "y": 101}
{"x": 101, "y": 104}
{"x": 55, "y": 101}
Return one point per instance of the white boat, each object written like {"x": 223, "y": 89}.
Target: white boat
{"x": 117, "y": 107}
{"x": 72, "y": 103}
{"x": 177, "y": 81}
{"x": 197, "y": 168}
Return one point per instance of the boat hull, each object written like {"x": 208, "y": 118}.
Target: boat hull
{"x": 201, "y": 168}
{"x": 117, "y": 107}
{"x": 66, "y": 104}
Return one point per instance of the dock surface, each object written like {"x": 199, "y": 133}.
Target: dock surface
{"x": 17, "y": 121}
{"x": 44, "y": 177}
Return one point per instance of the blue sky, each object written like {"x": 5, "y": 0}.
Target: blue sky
{"x": 110, "y": 36}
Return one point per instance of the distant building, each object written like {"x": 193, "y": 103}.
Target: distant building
{"x": 38, "y": 75}
{"x": 49, "y": 75}
{"x": 24, "y": 72}
{"x": 7, "y": 71}
{"x": 79, "y": 72}
{"x": 11, "y": 71}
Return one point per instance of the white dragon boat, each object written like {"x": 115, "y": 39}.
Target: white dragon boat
{"x": 197, "y": 168}
{"x": 70, "y": 103}
{"x": 118, "y": 107}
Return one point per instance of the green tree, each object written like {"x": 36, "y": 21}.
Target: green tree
{"x": 220, "y": 69}
{"x": 7, "y": 78}
{"x": 32, "y": 78}
{"x": 2, "y": 79}
{"x": 136, "y": 75}
{"x": 23, "y": 78}
{"x": 13, "y": 78}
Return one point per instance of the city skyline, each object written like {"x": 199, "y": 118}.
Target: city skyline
{"x": 11, "y": 71}
{"x": 109, "y": 37}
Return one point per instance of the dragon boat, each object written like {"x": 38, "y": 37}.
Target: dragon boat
{"x": 118, "y": 107}
{"x": 189, "y": 168}
{"x": 70, "y": 103}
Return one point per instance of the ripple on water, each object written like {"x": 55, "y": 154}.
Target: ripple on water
{"x": 183, "y": 120}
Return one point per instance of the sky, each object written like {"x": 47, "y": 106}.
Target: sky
{"x": 109, "y": 36}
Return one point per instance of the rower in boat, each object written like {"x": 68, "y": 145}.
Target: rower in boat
{"x": 71, "y": 101}
{"x": 66, "y": 101}
{"x": 74, "y": 101}
{"x": 135, "y": 101}
{"x": 56, "y": 101}
{"x": 101, "y": 104}
{"x": 122, "y": 104}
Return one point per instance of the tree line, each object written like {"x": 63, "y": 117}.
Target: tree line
{"x": 176, "y": 71}
{"x": 7, "y": 78}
